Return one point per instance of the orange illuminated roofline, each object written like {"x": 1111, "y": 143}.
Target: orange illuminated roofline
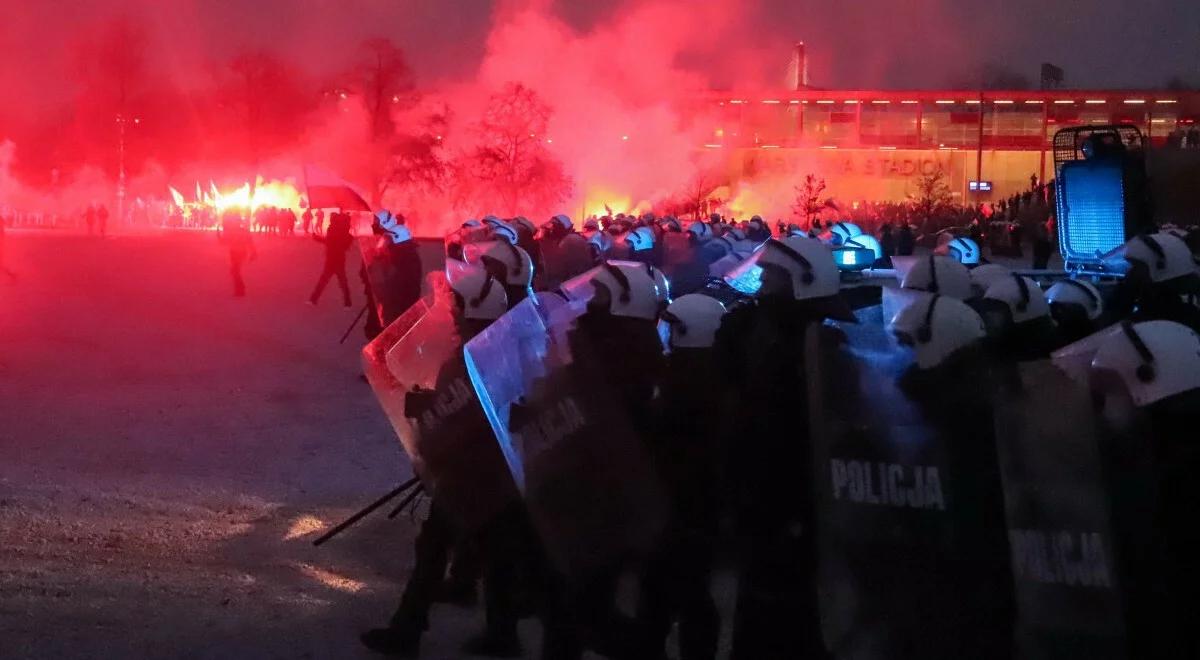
{"x": 931, "y": 97}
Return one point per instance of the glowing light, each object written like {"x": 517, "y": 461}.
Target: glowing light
{"x": 303, "y": 526}
{"x": 1064, "y": 102}
{"x": 331, "y": 579}
{"x": 908, "y": 103}
{"x": 944, "y": 102}
{"x": 277, "y": 194}
{"x": 973, "y": 101}
{"x": 770, "y": 146}
{"x": 887, "y": 148}
{"x": 1165, "y": 101}
{"x": 825, "y": 102}
{"x": 713, "y": 146}
{"x": 1158, "y": 121}
{"x": 624, "y": 137}
{"x": 736, "y": 101}
{"x": 794, "y": 102}
{"x": 1134, "y": 101}
{"x": 1033, "y": 102}
{"x": 1095, "y": 101}
{"x": 771, "y": 102}
{"x": 1003, "y": 102}
{"x": 829, "y": 146}
{"x": 880, "y": 102}
{"x": 851, "y": 101}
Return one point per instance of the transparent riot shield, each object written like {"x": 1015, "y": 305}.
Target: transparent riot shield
{"x": 394, "y": 282}
{"x": 682, "y": 264}
{"x": 588, "y": 485}
{"x": 1059, "y": 520}
{"x": 909, "y": 506}
{"x": 418, "y": 373}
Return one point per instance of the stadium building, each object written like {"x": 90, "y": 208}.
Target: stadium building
{"x": 874, "y": 144}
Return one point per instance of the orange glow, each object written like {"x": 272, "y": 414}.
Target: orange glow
{"x": 274, "y": 193}
{"x": 600, "y": 200}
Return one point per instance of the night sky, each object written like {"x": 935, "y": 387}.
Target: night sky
{"x": 923, "y": 43}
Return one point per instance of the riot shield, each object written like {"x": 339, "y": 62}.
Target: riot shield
{"x": 588, "y": 485}
{"x": 416, "y": 369}
{"x": 563, "y": 260}
{"x": 394, "y": 280}
{"x": 909, "y": 507}
{"x": 682, "y": 264}
{"x": 1064, "y": 566}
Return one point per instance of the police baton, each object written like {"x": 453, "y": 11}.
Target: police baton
{"x": 411, "y": 496}
{"x": 354, "y": 323}
{"x": 365, "y": 512}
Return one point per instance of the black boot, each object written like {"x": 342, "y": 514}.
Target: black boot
{"x": 400, "y": 642}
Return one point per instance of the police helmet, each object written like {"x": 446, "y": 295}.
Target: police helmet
{"x": 1022, "y": 296}
{"x": 1154, "y": 360}
{"x": 1076, "y": 292}
{"x": 936, "y": 327}
{"x": 632, "y": 291}
{"x": 941, "y": 275}
{"x": 482, "y": 296}
{"x": 692, "y": 321}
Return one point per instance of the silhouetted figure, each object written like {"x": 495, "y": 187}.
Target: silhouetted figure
{"x": 89, "y": 217}
{"x": 102, "y": 220}
{"x": 905, "y": 241}
{"x": 236, "y": 236}
{"x": 306, "y": 220}
{"x": 337, "y": 241}
{"x": 887, "y": 241}
{"x": 4, "y": 270}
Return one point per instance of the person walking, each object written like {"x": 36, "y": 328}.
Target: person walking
{"x": 337, "y": 242}
{"x": 236, "y": 236}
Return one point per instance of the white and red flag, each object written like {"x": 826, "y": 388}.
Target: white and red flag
{"x": 327, "y": 190}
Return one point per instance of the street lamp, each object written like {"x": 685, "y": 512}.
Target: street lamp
{"x": 121, "y": 121}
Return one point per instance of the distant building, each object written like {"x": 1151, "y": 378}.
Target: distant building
{"x": 873, "y": 144}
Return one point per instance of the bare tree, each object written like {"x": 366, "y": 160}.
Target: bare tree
{"x": 933, "y": 193}
{"x": 416, "y": 164}
{"x": 511, "y": 163}
{"x": 383, "y": 78}
{"x": 114, "y": 62}
{"x": 808, "y": 201}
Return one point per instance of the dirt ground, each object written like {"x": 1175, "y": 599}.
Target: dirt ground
{"x": 170, "y": 452}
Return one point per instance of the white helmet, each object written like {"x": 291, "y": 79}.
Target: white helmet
{"x": 700, "y": 231}
{"x": 735, "y": 233}
{"x": 1076, "y": 292}
{"x": 1022, "y": 295}
{"x": 518, "y": 266}
{"x": 393, "y": 227}
{"x": 691, "y": 321}
{"x": 1154, "y": 360}
{"x": 522, "y": 222}
{"x": 844, "y": 230}
{"x": 941, "y": 275}
{"x": 983, "y": 276}
{"x": 640, "y": 239}
{"x": 601, "y": 243}
{"x": 808, "y": 261}
{"x": 561, "y": 220}
{"x": 1166, "y": 255}
{"x": 632, "y": 290}
{"x": 962, "y": 249}
{"x": 501, "y": 229}
{"x": 483, "y": 297}
{"x": 937, "y": 327}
